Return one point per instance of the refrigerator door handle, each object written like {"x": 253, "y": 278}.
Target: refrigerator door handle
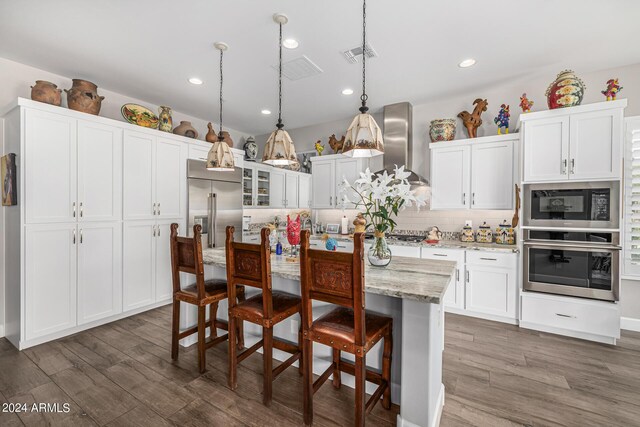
{"x": 212, "y": 216}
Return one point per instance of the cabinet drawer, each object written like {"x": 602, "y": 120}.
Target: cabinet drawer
{"x": 592, "y": 317}
{"x": 406, "y": 251}
{"x": 443, "y": 254}
{"x": 492, "y": 259}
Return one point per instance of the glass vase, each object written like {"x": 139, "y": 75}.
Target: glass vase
{"x": 379, "y": 253}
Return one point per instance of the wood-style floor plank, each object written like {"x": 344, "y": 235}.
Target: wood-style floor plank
{"x": 121, "y": 374}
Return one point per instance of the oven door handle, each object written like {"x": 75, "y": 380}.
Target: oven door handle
{"x": 585, "y": 246}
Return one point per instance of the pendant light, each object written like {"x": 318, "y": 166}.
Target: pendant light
{"x": 364, "y": 137}
{"x": 220, "y": 157}
{"x": 279, "y": 150}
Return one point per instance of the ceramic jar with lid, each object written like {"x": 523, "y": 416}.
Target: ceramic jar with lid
{"x": 484, "y": 234}
{"x": 505, "y": 234}
{"x": 466, "y": 235}
{"x": 566, "y": 90}
{"x": 442, "y": 130}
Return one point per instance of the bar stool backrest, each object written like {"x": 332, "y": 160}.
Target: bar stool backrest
{"x": 186, "y": 257}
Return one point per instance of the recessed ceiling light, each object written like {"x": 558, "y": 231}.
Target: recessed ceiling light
{"x": 347, "y": 91}
{"x": 290, "y": 43}
{"x": 195, "y": 81}
{"x": 467, "y": 63}
{"x": 266, "y": 112}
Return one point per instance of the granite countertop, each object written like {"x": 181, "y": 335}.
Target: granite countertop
{"x": 408, "y": 278}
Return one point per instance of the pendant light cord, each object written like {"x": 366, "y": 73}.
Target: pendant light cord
{"x": 364, "y": 96}
{"x": 280, "y": 125}
{"x": 220, "y": 137}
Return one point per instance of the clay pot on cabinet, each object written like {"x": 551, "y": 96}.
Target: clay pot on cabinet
{"x": 212, "y": 137}
{"x": 566, "y": 90}
{"x": 83, "y": 96}
{"x": 442, "y": 130}
{"x": 47, "y": 92}
{"x": 185, "y": 129}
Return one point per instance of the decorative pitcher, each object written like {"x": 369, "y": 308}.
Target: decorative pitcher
{"x": 165, "y": 119}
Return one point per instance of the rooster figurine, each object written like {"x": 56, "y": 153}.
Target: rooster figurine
{"x": 319, "y": 148}
{"x": 336, "y": 144}
{"x": 293, "y": 231}
{"x": 525, "y": 103}
{"x": 612, "y": 89}
{"x": 503, "y": 119}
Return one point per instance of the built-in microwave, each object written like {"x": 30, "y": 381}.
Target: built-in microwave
{"x": 572, "y": 205}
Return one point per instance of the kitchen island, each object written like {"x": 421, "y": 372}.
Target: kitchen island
{"x": 409, "y": 290}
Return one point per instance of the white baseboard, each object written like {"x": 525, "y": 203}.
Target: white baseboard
{"x": 1, "y": 331}
{"x": 435, "y": 422}
{"x": 630, "y": 324}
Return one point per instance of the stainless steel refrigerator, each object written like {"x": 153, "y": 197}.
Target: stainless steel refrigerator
{"x": 215, "y": 201}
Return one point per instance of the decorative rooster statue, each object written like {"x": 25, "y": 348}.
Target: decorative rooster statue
{"x": 472, "y": 121}
{"x": 503, "y": 119}
{"x": 336, "y": 144}
{"x": 612, "y": 89}
{"x": 525, "y": 103}
{"x": 293, "y": 231}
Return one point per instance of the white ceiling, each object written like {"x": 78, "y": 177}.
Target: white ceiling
{"x": 149, "y": 48}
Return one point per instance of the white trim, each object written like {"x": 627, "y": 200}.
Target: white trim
{"x": 596, "y": 106}
{"x": 567, "y": 332}
{"x": 479, "y": 315}
{"x": 630, "y": 324}
{"x": 400, "y": 422}
{"x": 505, "y": 137}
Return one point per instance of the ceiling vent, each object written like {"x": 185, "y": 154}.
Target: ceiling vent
{"x": 352, "y": 55}
{"x": 299, "y": 68}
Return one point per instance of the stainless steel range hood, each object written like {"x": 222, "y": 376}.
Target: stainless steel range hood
{"x": 398, "y": 141}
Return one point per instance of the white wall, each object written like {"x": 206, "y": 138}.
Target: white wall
{"x": 2, "y": 269}
{"x": 17, "y": 80}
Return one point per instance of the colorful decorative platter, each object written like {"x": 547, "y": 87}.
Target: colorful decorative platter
{"x": 139, "y": 115}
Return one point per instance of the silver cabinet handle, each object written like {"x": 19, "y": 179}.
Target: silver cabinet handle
{"x": 154, "y": 231}
{"x": 158, "y": 231}
{"x": 330, "y": 200}
{"x": 464, "y": 198}
{"x": 565, "y": 315}
{"x": 154, "y": 208}
{"x": 440, "y": 255}
{"x": 457, "y": 274}
{"x": 81, "y": 211}
{"x": 473, "y": 198}
{"x": 573, "y": 167}
{"x": 158, "y": 208}
{"x": 81, "y": 235}
{"x": 489, "y": 259}
{"x": 74, "y": 211}
{"x": 74, "y": 236}
{"x": 563, "y": 165}
{"x": 467, "y": 276}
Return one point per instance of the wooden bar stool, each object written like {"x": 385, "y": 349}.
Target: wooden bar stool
{"x": 338, "y": 278}
{"x": 250, "y": 265}
{"x": 186, "y": 256}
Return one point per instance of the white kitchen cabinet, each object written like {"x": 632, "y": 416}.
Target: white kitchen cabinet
{"x": 577, "y": 143}
{"x": 99, "y": 270}
{"x": 50, "y": 278}
{"x": 546, "y": 148}
{"x": 323, "y": 179}
{"x": 492, "y": 173}
{"x": 277, "y": 190}
{"x": 138, "y": 175}
{"x": 595, "y": 145}
{"x": 291, "y": 191}
{"x": 139, "y": 264}
{"x": 491, "y": 285}
{"x": 164, "y": 278}
{"x": 99, "y": 172}
{"x": 405, "y": 251}
{"x": 454, "y": 296}
{"x": 50, "y": 168}
{"x": 170, "y": 176}
{"x": 349, "y": 169}
{"x": 450, "y": 177}
{"x": 304, "y": 191}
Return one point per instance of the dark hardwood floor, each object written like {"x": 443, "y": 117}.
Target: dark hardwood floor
{"x": 121, "y": 374}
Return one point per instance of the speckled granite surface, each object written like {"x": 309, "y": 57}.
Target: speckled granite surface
{"x": 408, "y": 278}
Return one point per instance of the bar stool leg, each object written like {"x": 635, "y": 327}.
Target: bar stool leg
{"x": 337, "y": 377}
{"x": 175, "y": 329}
{"x": 233, "y": 358}
{"x": 386, "y": 369}
{"x": 360, "y": 391}
{"x": 240, "y": 323}
{"x": 213, "y": 314}
{"x": 201, "y": 339}
{"x": 301, "y": 349}
{"x": 307, "y": 379}
{"x": 267, "y": 362}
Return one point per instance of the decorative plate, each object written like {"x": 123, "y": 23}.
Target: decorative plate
{"x": 139, "y": 115}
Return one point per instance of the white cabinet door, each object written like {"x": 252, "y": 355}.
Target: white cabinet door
{"x": 454, "y": 296}
{"x": 139, "y": 264}
{"x": 304, "y": 191}
{"x": 323, "y": 184}
{"x": 491, "y": 290}
{"x": 99, "y": 271}
{"x": 450, "y": 177}
{"x": 138, "y": 178}
{"x": 291, "y": 191}
{"x": 348, "y": 169}
{"x": 50, "y": 279}
{"x": 594, "y": 145}
{"x": 492, "y": 175}
{"x": 197, "y": 152}
{"x": 405, "y": 251}
{"x": 277, "y": 188}
{"x": 238, "y": 160}
{"x": 546, "y": 149}
{"x": 170, "y": 178}
{"x": 50, "y": 168}
{"x": 99, "y": 172}
{"x": 164, "y": 281}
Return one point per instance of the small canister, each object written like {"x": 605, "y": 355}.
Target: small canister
{"x": 484, "y": 234}
{"x": 505, "y": 234}
{"x": 466, "y": 235}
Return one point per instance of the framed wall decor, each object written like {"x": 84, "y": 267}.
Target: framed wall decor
{"x": 333, "y": 228}
{"x": 9, "y": 180}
